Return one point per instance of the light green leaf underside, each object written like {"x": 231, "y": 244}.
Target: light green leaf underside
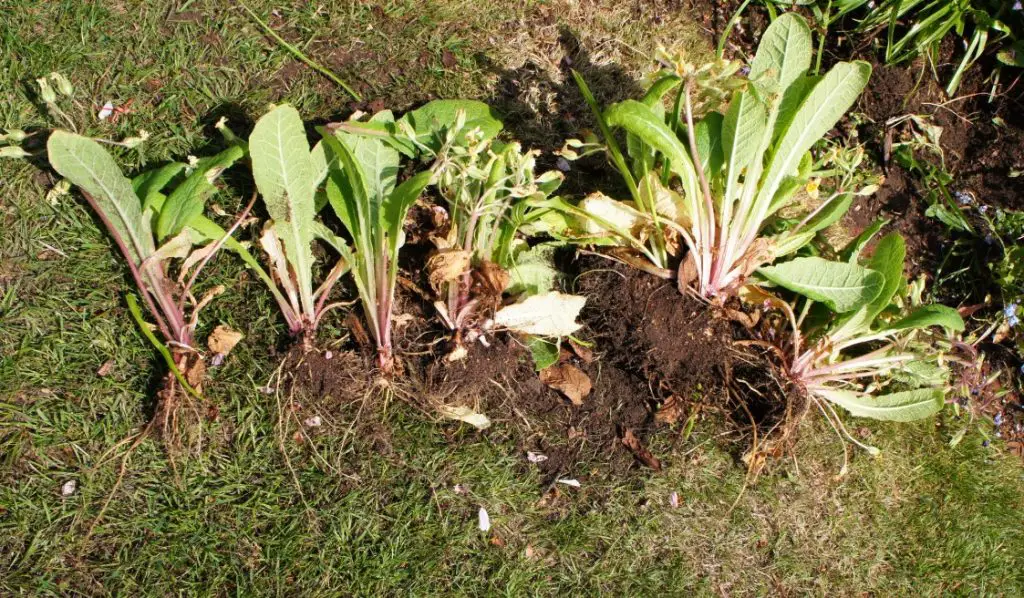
{"x": 88, "y": 166}
{"x": 784, "y": 52}
{"x": 285, "y": 176}
{"x": 905, "y": 406}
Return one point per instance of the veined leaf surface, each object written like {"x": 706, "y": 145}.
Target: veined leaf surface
{"x": 898, "y": 407}
{"x": 842, "y": 287}
{"x": 88, "y": 166}
{"x": 819, "y": 112}
{"x": 785, "y": 50}
{"x": 285, "y": 176}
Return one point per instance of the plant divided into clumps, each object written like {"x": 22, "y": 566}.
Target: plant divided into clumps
{"x": 731, "y": 181}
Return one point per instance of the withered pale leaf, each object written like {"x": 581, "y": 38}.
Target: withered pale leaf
{"x": 467, "y": 415}
{"x": 223, "y": 339}
{"x": 568, "y": 380}
{"x": 447, "y": 265}
{"x": 547, "y": 314}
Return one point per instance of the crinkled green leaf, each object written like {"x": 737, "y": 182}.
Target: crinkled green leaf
{"x": 533, "y": 270}
{"x": 930, "y": 315}
{"x": 188, "y": 199}
{"x": 842, "y": 287}
{"x": 905, "y": 406}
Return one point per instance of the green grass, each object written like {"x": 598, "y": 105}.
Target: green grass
{"x": 378, "y": 513}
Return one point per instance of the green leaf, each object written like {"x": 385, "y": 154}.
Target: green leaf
{"x": 379, "y": 165}
{"x": 286, "y": 177}
{"x": 88, "y": 166}
{"x": 792, "y": 98}
{"x": 639, "y": 120}
{"x": 888, "y": 261}
{"x": 791, "y": 243}
{"x": 658, "y": 89}
{"x": 150, "y": 184}
{"x": 188, "y": 199}
{"x": 842, "y": 287}
{"x": 397, "y": 205}
{"x": 905, "y": 406}
{"x": 830, "y": 214}
{"x": 742, "y": 131}
{"x": 708, "y": 134}
{"x": 851, "y": 252}
{"x": 433, "y": 116}
{"x": 930, "y": 315}
{"x": 533, "y": 270}
{"x": 821, "y": 109}
{"x": 784, "y": 52}
{"x": 545, "y": 352}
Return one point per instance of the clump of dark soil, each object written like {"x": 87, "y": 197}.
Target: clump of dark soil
{"x": 644, "y": 325}
{"x": 330, "y": 378}
{"x": 650, "y": 345}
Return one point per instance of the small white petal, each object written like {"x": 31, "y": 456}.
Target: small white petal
{"x": 533, "y": 457}
{"x": 313, "y": 422}
{"x": 570, "y": 482}
{"x": 106, "y": 111}
{"x": 68, "y": 488}
{"x": 485, "y": 520}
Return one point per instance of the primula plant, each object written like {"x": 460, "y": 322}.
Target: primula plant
{"x": 363, "y": 190}
{"x": 153, "y": 226}
{"x": 718, "y": 180}
{"x": 874, "y": 349}
{"x": 287, "y": 175}
{"x": 489, "y": 190}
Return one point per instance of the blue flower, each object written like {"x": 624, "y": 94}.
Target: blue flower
{"x": 1010, "y": 311}
{"x": 963, "y": 198}
{"x": 998, "y": 419}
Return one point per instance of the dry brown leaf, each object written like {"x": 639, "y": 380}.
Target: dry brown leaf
{"x": 745, "y": 320}
{"x": 630, "y": 441}
{"x": 355, "y": 326}
{"x": 223, "y": 339}
{"x": 568, "y": 380}
{"x": 492, "y": 278}
{"x": 106, "y": 368}
{"x": 447, "y": 265}
{"x": 687, "y": 274}
{"x": 586, "y": 354}
{"x": 670, "y": 411}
